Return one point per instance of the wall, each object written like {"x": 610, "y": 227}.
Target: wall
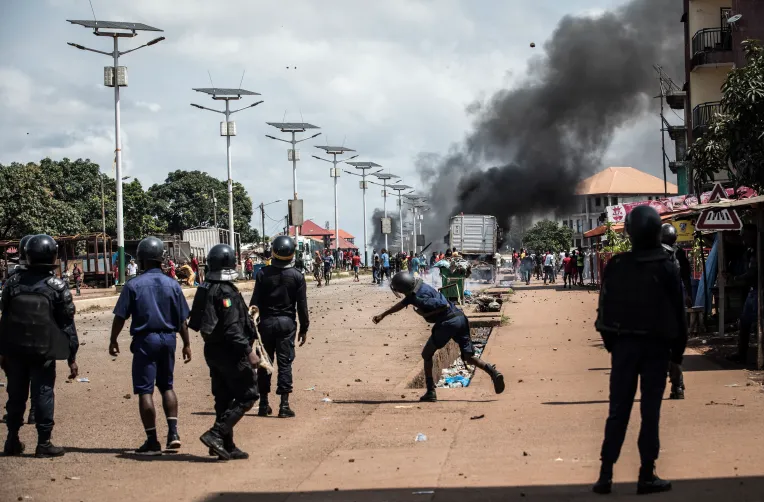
{"x": 706, "y": 84}
{"x": 751, "y": 26}
{"x": 706, "y": 14}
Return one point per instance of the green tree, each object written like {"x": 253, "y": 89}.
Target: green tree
{"x": 734, "y": 140}
{"x": 547, "y": 235}
{"x": 29, "y": 206}
{"x": 616, "y": 242}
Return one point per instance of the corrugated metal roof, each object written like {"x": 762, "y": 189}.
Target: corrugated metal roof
{"x": 623, "y": 181}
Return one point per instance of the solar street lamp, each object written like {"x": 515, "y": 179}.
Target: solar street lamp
{"x": 385, "y": 177}
{"x": 400, "y": 189}
{"x": 227, "y": 129}
{"x": 116, "y": 76}
{"x": 334, "y": 172}
{"x": 295, "y": 208}
{"x": 364, "y": 166}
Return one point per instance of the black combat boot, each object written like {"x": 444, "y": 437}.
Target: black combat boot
{"x": 284, "y": 410}
{"x": 265, "y": 409}
{"x": 233, "y": 450}
{"x": 649, "y": 482}
{"x": 48, "y": 450}
{"x": 677, "y": 393}
{"x": 604, "y": 484}
{"x": 31, "y": 420}
{"x": 429, "y": 397}
{"x": 213, "y": 439}
{"x": 496, "y": 377}
{"x": 13, "y": 446}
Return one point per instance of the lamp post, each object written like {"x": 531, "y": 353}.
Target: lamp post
{"x": 116, "y": 76}
{"x": 227, "y": 129}
{"x": 364, "y": 166}
{"x": 294, "y": 155}
{"x": 385, "y": 177}
{"x": 416, "y": 202}
{"x": 400, "y": 189}
{"x": 335, "y": 173}
{"x": 262, "y": 221}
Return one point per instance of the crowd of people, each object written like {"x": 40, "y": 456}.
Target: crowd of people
{"x": 548, "y": 265}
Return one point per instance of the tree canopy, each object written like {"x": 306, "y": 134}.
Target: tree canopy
{"x": 734, "y": 139}
{"x": 547, "y": 235}
{"x": 64, "y": 197}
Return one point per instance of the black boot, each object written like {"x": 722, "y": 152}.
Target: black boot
{"x": 48, "y": 450}
{"x": 31, "y": 420}
{"x": 264, "y": 410}
{"x": 284, "y": 410}
{"x": 13, "y": 446}
{"x": 496, "y": 377}
{"x": 677, "y": 393}
{"x": 232, "y": 449}
{"x": 649, "y": 482}
{"x": 213, "y": 440}
{"x": 429, "y": 397}
{"x": 604, "y": 484}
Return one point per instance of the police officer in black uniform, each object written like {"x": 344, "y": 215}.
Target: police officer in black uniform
{"x": 279, "y": 294}
{"x": 678, "y": 257}
{"x": 36, "y": 329}
{"x": 221, "y": 315}
{"x": 642, "y": 322}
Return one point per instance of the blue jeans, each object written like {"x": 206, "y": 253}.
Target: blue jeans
{"x": 153, "y": 362}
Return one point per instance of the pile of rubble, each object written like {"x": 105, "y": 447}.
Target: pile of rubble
{"x": 485, "y": 303}
{"x": 460, "y": 374}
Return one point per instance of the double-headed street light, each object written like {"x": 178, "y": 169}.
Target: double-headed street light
{"x": 385, "y": 177}
{"x": 295, "y": 207}
{"x": 227, "y": 129}
{"x": 334, "y": 172}
{"x": 116, "y": 76}
{"x": 364, "y": 166}
{"x": 417, "y": 202}
{"x": 400, "y": 189}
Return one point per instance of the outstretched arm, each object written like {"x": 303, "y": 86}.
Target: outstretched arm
{"x": 392, "y": 310}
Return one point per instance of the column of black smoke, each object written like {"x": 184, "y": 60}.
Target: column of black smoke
{"x": 551, "y": 131}
{"x": 377, "y": 237}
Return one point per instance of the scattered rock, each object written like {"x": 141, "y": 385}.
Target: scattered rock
{"x": 351, "y": 460}
{"x": 526, "y": 454}
{"x": 127, "y": 396}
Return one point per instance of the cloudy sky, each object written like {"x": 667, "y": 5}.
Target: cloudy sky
{"x": 390, "y": 79}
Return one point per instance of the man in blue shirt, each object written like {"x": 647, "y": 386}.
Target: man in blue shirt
{"x": 159, "y": 311}
{"x": 449, "y": 323}
{"x": 385, "y": 261}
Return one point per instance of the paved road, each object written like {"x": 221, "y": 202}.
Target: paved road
{"x": 537, "y": 441}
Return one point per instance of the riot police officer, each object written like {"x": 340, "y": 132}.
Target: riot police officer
{"x": 642, "y": 322}
{"x": 36, "y": 329}
{"x": 279, "y": 294}
{"x": 221, "y": 315}
{"x": 449, "y": 323}
{"x": 678, "y": 257}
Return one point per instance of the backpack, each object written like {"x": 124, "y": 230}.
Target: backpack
{"x": 639, "y": 296}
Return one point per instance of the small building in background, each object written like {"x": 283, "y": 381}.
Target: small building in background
{"x": 611, "y": 186}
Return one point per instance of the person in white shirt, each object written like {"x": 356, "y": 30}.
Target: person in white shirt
{"x": 549, "y": 267}
{"x": 132, "y": 269}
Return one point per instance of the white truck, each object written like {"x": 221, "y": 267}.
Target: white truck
{"x": 476, "y": 238}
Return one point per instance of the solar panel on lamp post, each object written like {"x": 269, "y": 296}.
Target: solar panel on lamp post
{"x": 116, "y": 76}
{"x": 364, "y": 166}
{"x": 400, "y": 189}
{"x": 293, "y": 155}
{"x": 227, "y": 129}
{"x": 416, "y": 202}
{"x": 335, "y": 173}
{"x": 385, "y": 177}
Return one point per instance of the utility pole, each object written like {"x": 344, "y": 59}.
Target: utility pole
{"x": 295, "y": 208}
{"x": 334, "y": 172}
{"x": 227, "y": 129}
{"x": 416, "y": 202}
{"x": 103, "y": 228}
{"x": 215, "y": 208}
{"x": 262, "y": 219}
{"x": 364, "y": 166}
{"x": 116, "y": 76}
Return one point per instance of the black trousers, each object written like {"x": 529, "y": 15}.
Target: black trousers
{"x": 636, "y": 359}
{"x": 39, "y": 377}
{"x": 278, "y": 334}
{"x": 234, "y": 384}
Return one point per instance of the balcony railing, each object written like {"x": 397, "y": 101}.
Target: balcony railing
{"x": 702, "y": 115}
{"x": 712, "y": 46}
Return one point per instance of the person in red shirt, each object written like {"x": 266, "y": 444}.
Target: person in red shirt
{"x": 356, "y": 265}
{"x": 568, "y": 266}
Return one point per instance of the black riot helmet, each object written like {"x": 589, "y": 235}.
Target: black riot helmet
{"x": 22, "y": 249}
{"x": 41, "y": 251}
{"x": 643, "y": 224}
{"x": 404, "y": 284}
{"x": 668, "y": 234}
{"x": 282, "y": 251}
{"x": 221, "y": 263}
{"x": 150, "y": 252}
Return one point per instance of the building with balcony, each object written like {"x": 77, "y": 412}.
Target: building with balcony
{"x": 611, "y": 186}
{"x": 712, "y": 49}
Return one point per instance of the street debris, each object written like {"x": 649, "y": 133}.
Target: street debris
{"x": 404, "y": 406}
{"x": 477, "y": 417}
{"x": 72, "y": 478}
{"x": 311, "y": 388}
{"x": 558, "y": 459}
{"x": 420, "y": 438}
{"x": 732, "y": 385}
{"x": 326, "y": 400}
{"x": 459, "y": 374}
{"x": 714, "y": 403}
{"x": 423, "y": 492}
{"x": 83, "y": 380}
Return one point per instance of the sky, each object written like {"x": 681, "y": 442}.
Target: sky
{"x": 389, "y": 79}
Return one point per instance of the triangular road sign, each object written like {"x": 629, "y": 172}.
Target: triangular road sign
{"x": 717, "y": 193}
{"x": 719, "y": 219}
